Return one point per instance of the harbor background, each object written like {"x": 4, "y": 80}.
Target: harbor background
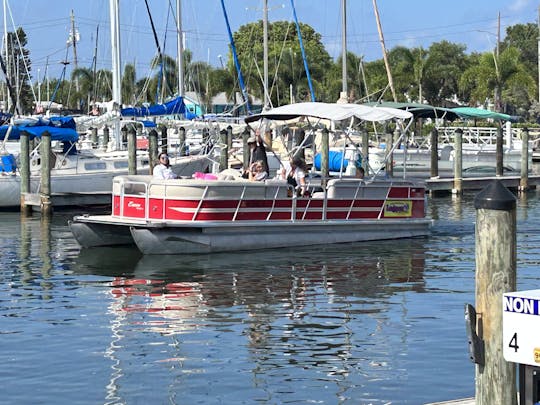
{"x": 365, "y": 323}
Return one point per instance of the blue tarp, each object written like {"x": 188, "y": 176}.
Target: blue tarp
{"x": 60, "y": 129}
{"x": 172, "y": 107}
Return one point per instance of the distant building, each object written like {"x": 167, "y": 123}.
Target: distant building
{"x": 221, "y": 104}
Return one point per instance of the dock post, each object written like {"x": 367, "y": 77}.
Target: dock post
{"x": 495, "y": 241}
{"x": 434, "y": 166}
{"x": 132, "y": 151}
{"x": 458, "y": 162}
{"x": 94, "y": 138}
{"x": 105, "y": 145}
{"x": 164, "y": 139}
{"x": 224, "y": 150}
{"x": 182, "y": 141}
{"x": 124, "y": 132}
{"x": 324, "y": 157}
{"x": 365, "y": 150}
{"x": 25, "y": 171}
{"x": 245, "y": 147}
{"x": 524, "y": 181}
{"x": 152, "y": 149}
{"x": 229, "y": 137}
{"x": 389, "y": 156}
{"x": 45, "y": 195}
{"x": 499, "y": 150}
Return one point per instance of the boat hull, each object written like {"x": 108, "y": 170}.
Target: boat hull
{"x": 101, "y": 230}
{"x": 225, "y": 238}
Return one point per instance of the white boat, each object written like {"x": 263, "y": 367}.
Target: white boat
{"x": 187, "y": 216}
{"x": 76, "y": 174}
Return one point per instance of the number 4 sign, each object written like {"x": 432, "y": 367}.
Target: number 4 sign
{"x": 521, "y": 327}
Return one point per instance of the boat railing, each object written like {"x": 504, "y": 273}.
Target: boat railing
{"x": 144, "y": 198}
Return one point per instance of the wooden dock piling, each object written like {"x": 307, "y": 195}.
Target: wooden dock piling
{"x": 524, "y": 182}
{"x": 45, "y": 156}
{"x": 132, "y": 151}
{"x": 434, "y": 167}
{"x": 152, "y": 149}
{"x": 24, "y": 169}
{"x": 458, "y": 162}
{"x": 495, "y": 238}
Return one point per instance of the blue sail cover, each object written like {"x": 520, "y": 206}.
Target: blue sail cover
{"x": 60, "y": 129}
{"x": 172, "y": 107}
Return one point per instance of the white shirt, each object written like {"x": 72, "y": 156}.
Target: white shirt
{"x": 163, "y": 172}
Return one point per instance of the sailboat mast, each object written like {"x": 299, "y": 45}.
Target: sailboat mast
{"x": 116, "y": 81}
{"x": 115, "y": 49}
{"x": 385, "y": 55}
{"x": 312, "y": 93}
{"x": 180, "y": 48}
{"x": 344, "y": 47}
{"x": 265, "y": 55}
{"x": 343, "y": 95}
{"x": 6, "y": 57}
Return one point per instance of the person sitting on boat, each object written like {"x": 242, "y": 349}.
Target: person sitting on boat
{"x": 163, "y": 169}
{"x": 295, "y": 174}
{"x": 257, "y": 151}
{"x": 360, "y": 172}
{"x": 257, "y": 172}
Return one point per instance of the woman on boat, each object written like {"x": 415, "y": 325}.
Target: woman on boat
{"x": 295, "y": 175}
{"x": 257, "y": 172}
{"x": 257, "y": 151}
{"x": 163, "y": 169}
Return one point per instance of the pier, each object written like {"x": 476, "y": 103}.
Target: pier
{"x": 446, "y": 184}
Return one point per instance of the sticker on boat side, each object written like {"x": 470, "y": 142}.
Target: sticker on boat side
{"x": 398, "y": 208}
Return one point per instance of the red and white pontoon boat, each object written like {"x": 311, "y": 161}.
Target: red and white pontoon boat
{"x": 184, "y": 216}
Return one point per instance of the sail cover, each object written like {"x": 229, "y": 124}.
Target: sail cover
{"x": 172, "y": 107}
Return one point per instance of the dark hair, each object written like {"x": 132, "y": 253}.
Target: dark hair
{"x": 299, "y": 162}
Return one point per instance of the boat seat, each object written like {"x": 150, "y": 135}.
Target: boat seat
{"x": 345, "y": 188}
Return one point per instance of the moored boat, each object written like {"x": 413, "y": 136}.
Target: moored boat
{"x": 228, "y": 213}
{"x": 187, "y": 216}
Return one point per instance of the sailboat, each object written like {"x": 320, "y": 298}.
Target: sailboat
{"x": 83, "y": 175}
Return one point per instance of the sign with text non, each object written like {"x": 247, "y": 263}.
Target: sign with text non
{"x": 521, "y": 327}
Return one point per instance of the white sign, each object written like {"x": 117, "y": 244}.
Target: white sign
{"x": 521, "y": 327}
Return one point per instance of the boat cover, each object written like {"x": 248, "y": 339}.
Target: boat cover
{"x": 472, "y": 113}
{"x": 332, "y": 112}
{"x": 60, "y": 129}
{"x": 172, "y": 107}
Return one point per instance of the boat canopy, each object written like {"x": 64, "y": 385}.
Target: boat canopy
{"x": 420, "y": 110}
{"x": 60, "y": 129}
{"x": 332, "y": 112}
{"x": 171, "y": 107}
{"x": 479, "y": 113}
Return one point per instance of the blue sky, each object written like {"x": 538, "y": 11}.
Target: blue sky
{"x": 409, "y": 23}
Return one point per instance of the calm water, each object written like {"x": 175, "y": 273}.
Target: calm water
{"x": 371, "y": 323}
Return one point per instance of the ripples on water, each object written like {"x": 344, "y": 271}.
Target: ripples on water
{"x": 370, "y": 323}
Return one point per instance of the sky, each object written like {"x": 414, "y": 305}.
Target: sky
{"x": 411, "y": 23}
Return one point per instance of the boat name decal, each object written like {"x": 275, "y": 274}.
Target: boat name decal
{"x": 398, "y": 208}
{"x": 135, "y": 205}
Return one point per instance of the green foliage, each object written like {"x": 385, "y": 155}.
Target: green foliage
{"x": 285, "y": 64}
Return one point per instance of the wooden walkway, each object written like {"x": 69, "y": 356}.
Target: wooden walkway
{"x": 477, "y": 183}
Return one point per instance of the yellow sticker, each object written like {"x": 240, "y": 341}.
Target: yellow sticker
{"x": 398, "y": 208}
{"x": 537, "y": 355}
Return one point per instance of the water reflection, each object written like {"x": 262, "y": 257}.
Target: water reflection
{"x": 310, "y": 309}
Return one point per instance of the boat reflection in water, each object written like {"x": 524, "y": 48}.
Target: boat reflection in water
{"x": 316, "y": 309}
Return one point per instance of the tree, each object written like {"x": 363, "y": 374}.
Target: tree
{"x": 285, "y": 65}
{"x": 505, "y": 76}
{"x": 442, "y": 71}
{"x": 129, "y": 85}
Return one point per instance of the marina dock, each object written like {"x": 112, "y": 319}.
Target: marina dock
{"x": 446, "y": 184}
